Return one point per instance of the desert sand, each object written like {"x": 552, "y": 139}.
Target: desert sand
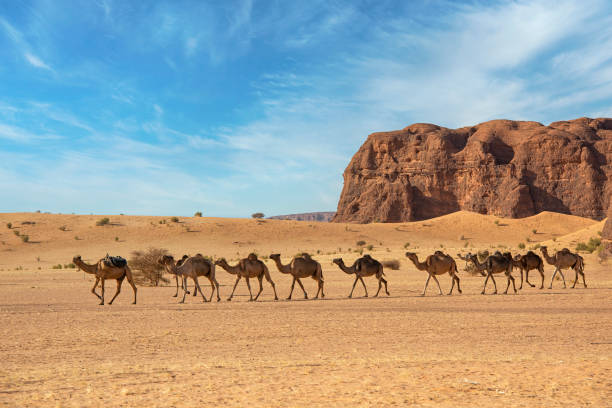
{"x": 537, "y": 348}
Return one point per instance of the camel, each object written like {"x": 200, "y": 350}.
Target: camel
{"x": 192, "y": 267}
{"x": 364, "y": 267}
{"x": 179, "y": 263}
{"x": 495, "y": 263}
{"x": 301, "y": 267}
{"x": 565, "y": 259}
{"x": 436, "y": 264}
{"x": 103, "y": 272}
{"x": 528, "y": 262}
{"x": 248, "y": 268}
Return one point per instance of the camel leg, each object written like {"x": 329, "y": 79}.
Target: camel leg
{"x": 93, "y": 290}
{"x": 437, "y": 283}
{"x": 320, "y": 289}
{"x": 302, "y": 286}
{"x": 198, "y": 288}
{"x": 364, "y": 286}
{"x": 354, "y": 283}
{"x": 527, "y": 279}
{"x": 455, "y": 277}
{"x": 217, "y": 287}
{"x": 583, "y": 280}
{"x": 510, "y": 278}
{"x": 102, "y": 290}
{"x": 291, "y": 291}
{"x": 229, "y": 299}
{"x": 563, "y": 277}
{"x": 195, "y": 291}
{"x": 212, "y": 288}
{"x": 484, "y": 288}
{"x": 494, "y": 284}
{"x": 452, "y": 285}
{"x": 426, "y": 284}
{"x": 553, "y": 277}
{"x": 176, "y": 279}
{"x": 541, "y": 270}
{"x": 260, "y": 279}
{"x": 384, "y": 281}
{"x": 379, "y": 287}
{"x": 270, "y": 281}
{"x": 249, "y": 286}
{"x": 119, "y": 283}
{"x": 522, "y": 278}
{"x": 185, "y": 292}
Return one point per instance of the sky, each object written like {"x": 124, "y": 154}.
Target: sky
{"x": 236, "y": 107}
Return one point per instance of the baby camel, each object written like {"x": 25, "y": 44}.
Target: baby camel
{"x": 301, "y": 267}
{"x": 248, "y": 268}
{"x": 364, "y": 267}
{"x": 192, "y": 267}
{"x": 103, "y": 272}
{"x": 437, "y": 264}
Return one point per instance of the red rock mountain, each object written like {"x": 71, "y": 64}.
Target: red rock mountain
{"x": 502, "y": 167}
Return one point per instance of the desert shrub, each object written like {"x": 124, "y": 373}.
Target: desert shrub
{"x": 117, "y": 239}
{"x": 162, "y": 221}
{"x": 591, "y": 246}
{"x": 393, "y": 264}
{"x": 198, "y": 214}
{"x": 406, "y": 245}
{"x": 70, "y": 266}
{"x": 527, "y": 239}
{"x": 174, "y": 219}
{"x": 361, "y": 251}
{"x": 535, "y": 231}
{"x": 9, "y": 225}
{"x": 257, "y": 215}
{"x": 554, "y": 239}
{"x": 62, "y": 228}
{"x": 360, "y": 243}
{"x": 521, "y": 245}
{"x": 147, "y": 271}
{"x": 462, "y": 238}
{"x": 103, "y": 221}
{"x": 58, "y": 266}
{"x": 28, "y": 222}
{"x": 25, "y": 238}
{"x": 496, "y": 222}
{"x": 370, "y": 247}
{"x": 467, "y": 244}
{"x": 76, "y": 238}
{"x": 16, "y": 232}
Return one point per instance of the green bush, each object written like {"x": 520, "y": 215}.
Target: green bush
{"x": 103, "y": 221}
{"x": 198, "y": 214}
{"x": 521, "y": 245}
{"x": 9, "y": 225}
{"x": 406, "y": 245}
{"x": 591, "y": 246}
{"x": 370, "y": 247}
{"x": 58, "y": 266}
{"x": 25, "y": 238}
{"x": 257, "y": 215}
{"x": 174, "y": 219}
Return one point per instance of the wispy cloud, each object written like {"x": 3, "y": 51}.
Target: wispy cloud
{"x": 35, "y": 61}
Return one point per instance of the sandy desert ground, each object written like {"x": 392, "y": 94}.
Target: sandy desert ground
{"x": 548, "y": 348}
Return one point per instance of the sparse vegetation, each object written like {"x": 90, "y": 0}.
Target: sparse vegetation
{"x": 103, "y": 221}
{"x": 535, "y": 231}
{"x": 257, "y": 215}
{"x": 360, "y": 243}
{"x": 198, "y": 214}
{"x": 25, "y": 238}
{"x": 392, "y": 264}
{"x": 462, "y": 238}
{"x": 76, "y": 238}
{"x": 58, "y": 266}
{"x": 174, "y": 219}
{"x": 162, "y": 221}
{"x": 370, "y": 247}
{"x": 497, "y": 222}
{"x": 521, "y": 245}
{"x": 16, "y": 232}
{"x": 9, "y": 225}
{"x": 62, "y": 228}
{"x": 117, "y": 239}
{"x": 147, "y": 271}
{"x": 591, "y": 246}
{"x": 554, "y": 239}
{"x": 70, "y": 266}
{"x": 406, "y": 245}
{"x": 527, "y": 239}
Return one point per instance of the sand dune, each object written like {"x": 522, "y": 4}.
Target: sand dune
{"x": 536, "y": 348}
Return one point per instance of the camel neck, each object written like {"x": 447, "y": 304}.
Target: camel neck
{"x": 282, "y": 268}
{"x": 86, "y": 267}
{"x": 419, "y": 265}
{"x": 346, "y": 269}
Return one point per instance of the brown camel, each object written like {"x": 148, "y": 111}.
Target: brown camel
{"x": 564, "y": 259}
{"x": 364, "y": 267}
{"x": 192, "y": 267}
{"x": 528, "y": 262}
{"x": 103, "y": 272}
{"x": 436, "y": 264}
{"x": 301, "y": 267}
{"x": 495, "y": 263}
{"x": 248, "y": 268}
{"x": 179, "y": 263}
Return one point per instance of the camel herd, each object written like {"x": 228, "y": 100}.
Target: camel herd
{"x": 303, "y": 266}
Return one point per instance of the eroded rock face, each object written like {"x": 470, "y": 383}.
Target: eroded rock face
{"x": 502, "y": 167}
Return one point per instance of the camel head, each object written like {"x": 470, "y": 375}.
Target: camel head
{"x": 410, "y": 255}
{"x": 76, "y": 259}
{"x": 517, "y": 257}
{"x": 276, "y": 257}
{"x": 221, "y": 261}
{"x": 338, "y": 261}
{"x": 543, "y": 248}
{"x": 166, "y": 260}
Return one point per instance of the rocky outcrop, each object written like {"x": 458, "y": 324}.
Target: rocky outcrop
{"x": 502, "y": 167}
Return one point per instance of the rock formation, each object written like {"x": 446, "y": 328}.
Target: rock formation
{"x": 502, "y": 167}
{"x": 322, "y": 216}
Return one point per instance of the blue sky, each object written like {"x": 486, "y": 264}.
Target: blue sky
{"x": 233, "y": 107}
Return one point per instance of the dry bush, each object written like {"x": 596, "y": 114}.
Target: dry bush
{"x": 146, "y": 270}
{"x": 103, "y": 221}
{"x": 393, "y": 264}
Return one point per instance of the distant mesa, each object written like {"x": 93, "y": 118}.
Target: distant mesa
{"x": 324, "y": 216}
{"x": 505, "y": 168}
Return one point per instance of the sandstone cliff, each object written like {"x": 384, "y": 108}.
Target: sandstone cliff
{"x": 502, "y": 167}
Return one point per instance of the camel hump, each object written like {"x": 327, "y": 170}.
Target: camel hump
{"x": 252, "y": 256}
{"x": 565, "y": 251}
{"x": 306, "y": 256}
{"x": 114, "y": 261}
